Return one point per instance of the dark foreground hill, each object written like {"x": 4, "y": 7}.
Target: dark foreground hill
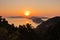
{"x": 48, "y": 30}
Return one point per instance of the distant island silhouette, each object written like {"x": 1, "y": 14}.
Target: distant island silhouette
{"x": 15, "y": 17}
{"x": 47, "y": 30}
{"x": 36, "y": 19}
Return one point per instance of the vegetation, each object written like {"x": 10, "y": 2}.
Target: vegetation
{"x": 48, "y": 30}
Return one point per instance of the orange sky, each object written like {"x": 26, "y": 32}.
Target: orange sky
{"x": 36, "y": 7}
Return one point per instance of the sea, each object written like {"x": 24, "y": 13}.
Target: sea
{"x": 21, "y": 21}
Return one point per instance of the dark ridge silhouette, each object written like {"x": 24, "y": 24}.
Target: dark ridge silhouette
{"x": 47, "y": 23}
{"x": 48, "y": 30}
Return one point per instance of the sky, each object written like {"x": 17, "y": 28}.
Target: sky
{"x": 36, "y": 7}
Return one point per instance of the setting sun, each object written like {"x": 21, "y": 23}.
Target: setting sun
{"x": 27, "y": 13}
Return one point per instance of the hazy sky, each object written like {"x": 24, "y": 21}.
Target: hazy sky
{"x": 36, "y": 7}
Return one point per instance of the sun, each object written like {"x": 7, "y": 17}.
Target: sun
{"x": 27, "y": 13}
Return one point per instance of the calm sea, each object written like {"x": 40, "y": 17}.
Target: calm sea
{"x": 21, "y": 21}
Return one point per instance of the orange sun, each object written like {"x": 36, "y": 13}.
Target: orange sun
{"x": 27, "y": 13}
